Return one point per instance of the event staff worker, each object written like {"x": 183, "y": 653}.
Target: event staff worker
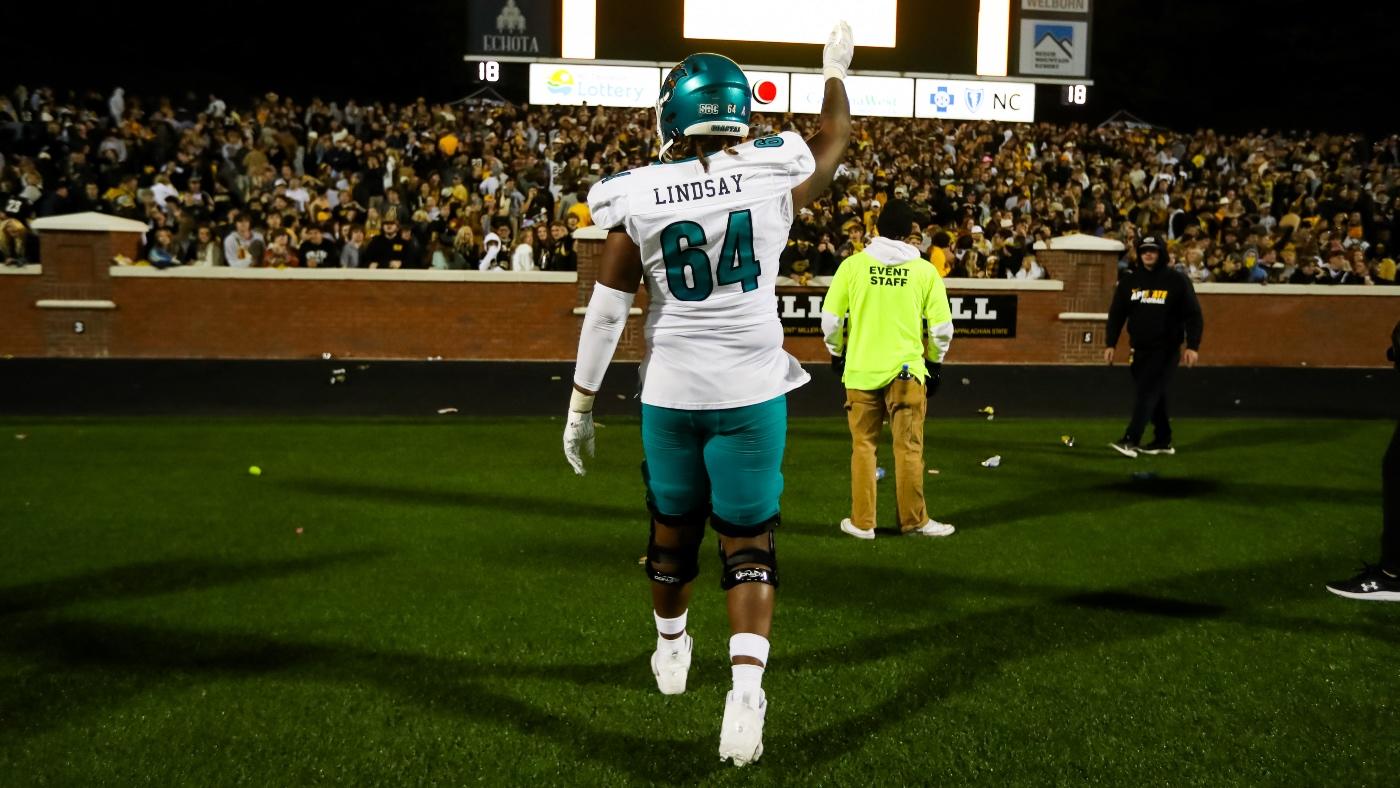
{"x": 1159, "y": 307}
{"x": 884, "y": 303}
{"x": 1381, "y": 582}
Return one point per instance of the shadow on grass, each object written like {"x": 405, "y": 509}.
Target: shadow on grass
{"x": 162, "y": 577}
{"x": 82, "y": 666}
{"x": 540, "y": 506}
{"x": 1101, "y": 493}
{"x": 1125, "y": 602}
{"x": 1289, "y": 436}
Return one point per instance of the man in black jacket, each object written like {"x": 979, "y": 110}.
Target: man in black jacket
{"x": 1381, "y": 582}
{"x": 390, "y": 249}
{"x": 1159, "y": 307}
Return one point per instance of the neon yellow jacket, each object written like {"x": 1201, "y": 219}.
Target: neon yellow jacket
{"x": 876, "y": 310}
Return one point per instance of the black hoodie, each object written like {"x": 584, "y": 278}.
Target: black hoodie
{"x": 1160, "y": 308}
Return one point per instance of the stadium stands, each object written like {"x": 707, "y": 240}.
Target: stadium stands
{"x": 500, "y": 187}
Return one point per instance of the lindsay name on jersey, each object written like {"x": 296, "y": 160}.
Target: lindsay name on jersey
{"x": 1150, "y": 296}
{"x": 699, "y": 190}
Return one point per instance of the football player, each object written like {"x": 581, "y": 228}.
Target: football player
{"x": 704, "y": 229}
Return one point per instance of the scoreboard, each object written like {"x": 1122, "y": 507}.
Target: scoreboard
{"x": 956, "y": 59}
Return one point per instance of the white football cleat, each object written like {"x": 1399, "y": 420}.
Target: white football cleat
{"x": 671, "y": 664}
{"x": 933, "y": 528}
{"x": 849, "y": 527}
{"x": 741, "y": 733}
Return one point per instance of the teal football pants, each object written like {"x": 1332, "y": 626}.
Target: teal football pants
{"x": 729, "y": 460}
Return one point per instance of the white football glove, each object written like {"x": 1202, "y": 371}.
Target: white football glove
{"x": 836, "y": 55}
{"x": 578, "y": 431}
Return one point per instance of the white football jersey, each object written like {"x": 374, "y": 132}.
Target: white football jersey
{"x": 710, "y": 245}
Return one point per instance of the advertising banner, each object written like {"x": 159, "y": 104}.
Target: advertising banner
{"x": 512, "y": 27}
{"x": 956, "y": 99}
{"x": 1054, "y": 48}
{"x": 608, "y": 86}
{"x": 886, "y": 97}
{"x": 770, "y": 91}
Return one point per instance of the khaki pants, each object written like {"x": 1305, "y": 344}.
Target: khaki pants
{"x": 905, "y": 403}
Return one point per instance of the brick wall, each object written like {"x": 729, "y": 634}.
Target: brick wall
{"x": 166, "y": 315}
{"x": 21, "y": 323}
{"x": 221, "y": 318}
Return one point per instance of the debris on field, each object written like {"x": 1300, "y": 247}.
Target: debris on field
{"x": 993, "y": 461}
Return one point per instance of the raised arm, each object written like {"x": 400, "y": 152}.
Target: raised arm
{"x": 829, "y": 143}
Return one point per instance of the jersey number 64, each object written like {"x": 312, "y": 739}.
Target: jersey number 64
{"x": 688, "y": 269}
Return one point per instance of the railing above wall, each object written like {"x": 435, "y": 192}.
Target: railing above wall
{"x": 344, "y": 274}
{"x": 1232, "y": 288}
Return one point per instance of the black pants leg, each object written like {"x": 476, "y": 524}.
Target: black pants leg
{"x": 1161, "y": 425}
{"x": 1390, "y": 504}
{"x": 1152, "y": 371}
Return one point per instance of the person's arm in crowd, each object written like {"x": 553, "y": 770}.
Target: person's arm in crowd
{"x": 1117, "y": 318}
{"x": 230, "y": 247}
{"x": 565, "y": 258}
{"x": 828, "y": 145}
{"x": 369, "y": 254}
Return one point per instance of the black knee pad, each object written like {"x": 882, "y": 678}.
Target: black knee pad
{"x": 751, "y": 564}
{"x": 676, "y": 565}
{"x": 725, "y": 528}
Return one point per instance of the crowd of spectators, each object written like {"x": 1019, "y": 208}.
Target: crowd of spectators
{"x": 278, "y": 182}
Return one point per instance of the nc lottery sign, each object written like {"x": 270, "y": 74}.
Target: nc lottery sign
{"x": 607, "y": 86}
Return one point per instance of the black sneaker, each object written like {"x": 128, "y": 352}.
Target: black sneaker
{"x": 1157, "y": 447}
{"x": 1372, "y": 584}
{"x": 1125, "y": 447}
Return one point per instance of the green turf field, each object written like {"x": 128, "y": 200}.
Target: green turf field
{"x": 418, "y": 602}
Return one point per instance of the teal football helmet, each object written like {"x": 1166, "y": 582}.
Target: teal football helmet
{"x": 705, "y": 94}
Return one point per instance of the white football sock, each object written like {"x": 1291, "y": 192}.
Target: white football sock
{"x": 746, "y": 677}
{"x": 670, "y": 630}
{"x": 747, "y": 644}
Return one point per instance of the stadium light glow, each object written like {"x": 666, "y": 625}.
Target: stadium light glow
{"x": 580, "y": 23}
{"x": 993, "y": 37}
{"x": 790, "y": 21}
